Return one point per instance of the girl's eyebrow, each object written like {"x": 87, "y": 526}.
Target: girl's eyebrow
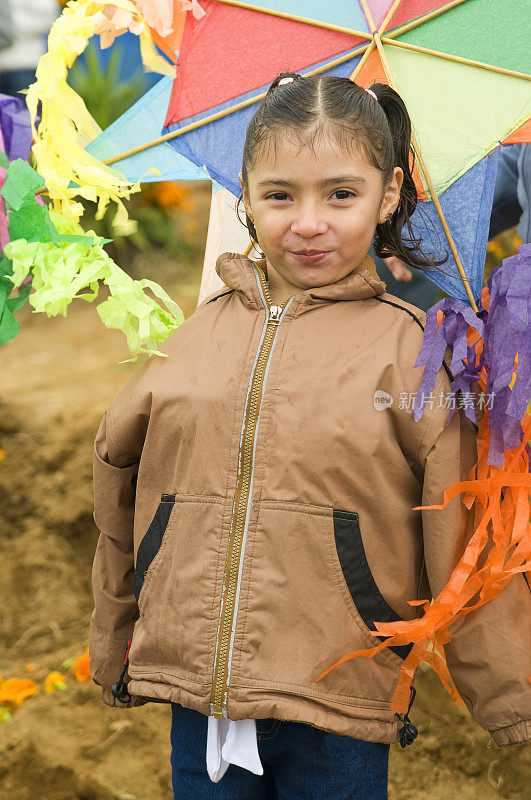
{"x": 322, "y": 184}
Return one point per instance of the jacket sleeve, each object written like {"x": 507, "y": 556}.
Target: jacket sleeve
{"x": 489, "y": 656}
{"x": 117, "y": 451}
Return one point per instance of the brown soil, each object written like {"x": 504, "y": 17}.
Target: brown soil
{"x": 58, "y": 376}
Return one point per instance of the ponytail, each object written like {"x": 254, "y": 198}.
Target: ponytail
{"x": 388, "y": 238}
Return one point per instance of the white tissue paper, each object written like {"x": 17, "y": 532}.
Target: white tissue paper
{"x": 231, "y": 742}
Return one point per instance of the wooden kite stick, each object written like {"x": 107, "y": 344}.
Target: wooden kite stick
{"x": 389, "y": 16}
{"x": 274, "y": 13}
{"x": 460, "y": 59}
{"x": 408, "y": 26}
{"x": 369, "y": 50}
{"x": 359, "y": 66}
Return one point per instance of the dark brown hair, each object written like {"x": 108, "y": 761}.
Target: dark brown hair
{"x": 307, "y": 107}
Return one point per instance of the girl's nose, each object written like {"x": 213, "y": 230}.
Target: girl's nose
{"x": 309, "y": 223}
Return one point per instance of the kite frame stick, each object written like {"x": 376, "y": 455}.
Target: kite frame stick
{"x": 418, "y": 154}
{"x": 284, "y": 14}
{"x": 414, "y": 23}
{"x": 363, "y": 59}
{"x": 461, "y": 59}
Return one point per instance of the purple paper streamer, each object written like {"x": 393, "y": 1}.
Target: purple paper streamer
{"x": 4, "y": 232}
{"x": 451, "y": 332}
{"x": 507, "y": 332}
{"x": 15, "y": 124}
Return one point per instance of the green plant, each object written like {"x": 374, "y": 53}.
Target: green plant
{"x": 104, "y": 94}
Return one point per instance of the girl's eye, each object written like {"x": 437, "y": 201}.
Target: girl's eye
{"x": 344, "y": 194}
{"x": 277, "y": 196}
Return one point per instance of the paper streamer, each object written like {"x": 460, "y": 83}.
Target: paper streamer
{"x": 507, "y": 350}
{"x": 66, "y": 127}
{"x": 62, "y": 273}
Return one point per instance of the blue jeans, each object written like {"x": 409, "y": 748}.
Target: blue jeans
{"x": 300, "y": 763}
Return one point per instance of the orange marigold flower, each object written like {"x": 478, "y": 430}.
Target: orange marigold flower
{"x": 14, "y": 691}
{"x": 54, "y": 681}
{"x": 168, "y": 194}
{"x": 188, "y": 206}
{"x": 80, "y": 667}
{"x": 496, "y": 248}
{"x": 30, "y": 667}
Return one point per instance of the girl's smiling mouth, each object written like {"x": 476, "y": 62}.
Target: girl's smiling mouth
{"x": 310, "y": 256}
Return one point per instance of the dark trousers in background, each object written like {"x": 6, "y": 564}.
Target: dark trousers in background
{"x": 419, "y": 291}
{"x": 12, "y": 82}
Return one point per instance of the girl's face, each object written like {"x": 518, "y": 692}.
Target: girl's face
{"x": 315, "y": 209}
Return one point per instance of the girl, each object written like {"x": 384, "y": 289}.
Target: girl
{"x": 255, "y": 488}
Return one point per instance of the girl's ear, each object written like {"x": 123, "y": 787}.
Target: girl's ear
{"x": 240, "y": 175}
{"x": 391, "y": 197}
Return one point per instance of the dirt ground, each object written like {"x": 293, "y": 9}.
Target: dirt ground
{"x": 57, "y": 378}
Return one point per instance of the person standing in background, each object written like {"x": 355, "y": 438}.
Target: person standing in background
{"x": 413, "y": 287}
{"x": 512, "y": 192}
{"x": 6, "y": 24}
{"x": 28, "y": 22}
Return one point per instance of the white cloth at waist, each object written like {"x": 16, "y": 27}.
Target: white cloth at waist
{"x": 231, "y": 742}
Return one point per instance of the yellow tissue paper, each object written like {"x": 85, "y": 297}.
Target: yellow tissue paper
{"x": 66, "y": 126}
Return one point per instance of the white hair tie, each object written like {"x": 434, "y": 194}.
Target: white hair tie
{"x": 371, "y": 92}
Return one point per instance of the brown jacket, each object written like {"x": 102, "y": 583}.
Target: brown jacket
{"x": 256, "y": 517}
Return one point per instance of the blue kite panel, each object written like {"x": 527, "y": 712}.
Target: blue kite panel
{"x": 141, "y": 123}
{"x": 466, "y": 206}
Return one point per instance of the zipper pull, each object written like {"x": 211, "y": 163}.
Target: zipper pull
{"x": 274, "y": 314}
{"x": 408, "y": 732}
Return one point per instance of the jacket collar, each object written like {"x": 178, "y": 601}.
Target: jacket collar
{"x": 239, "y": 273}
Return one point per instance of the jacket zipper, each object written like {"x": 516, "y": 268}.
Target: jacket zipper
{"x": 238, "y": 527}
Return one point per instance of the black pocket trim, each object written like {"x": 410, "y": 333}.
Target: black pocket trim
{"x": 371, "y": 605}
{"x": 150, "y": 544}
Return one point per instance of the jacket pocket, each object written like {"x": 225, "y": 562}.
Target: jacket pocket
{"x": 151, "y": 547}
{"x": 370, "y": 603}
